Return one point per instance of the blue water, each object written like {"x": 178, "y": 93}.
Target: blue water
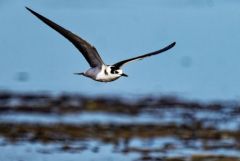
{"x": 48, "y": 152}
{"x": 221, "y": 120}
{"x": 40, "y": 151}
{"x": 204, "y": 64}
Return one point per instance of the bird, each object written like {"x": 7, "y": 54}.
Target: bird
{"x": 98, "y": 70}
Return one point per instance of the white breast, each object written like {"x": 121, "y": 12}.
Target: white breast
{"x": 105, "y": 75}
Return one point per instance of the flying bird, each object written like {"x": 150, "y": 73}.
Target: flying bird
{"x": 99, "y": 71}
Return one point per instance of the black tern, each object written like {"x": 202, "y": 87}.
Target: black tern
{"x": 99, "y": 71}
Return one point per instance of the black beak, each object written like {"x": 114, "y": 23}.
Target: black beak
{"x": 125, "y": 75}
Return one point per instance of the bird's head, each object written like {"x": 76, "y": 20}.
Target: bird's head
{"x": 117, "y": 71}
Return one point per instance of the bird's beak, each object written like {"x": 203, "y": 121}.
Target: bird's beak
{"x": 125, "y": 75}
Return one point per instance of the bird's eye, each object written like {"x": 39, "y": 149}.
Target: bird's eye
{"x": 116, "y": 72}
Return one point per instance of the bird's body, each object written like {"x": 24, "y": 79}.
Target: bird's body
{"x": 103, "y": 73}
{"x": 99, "y": 71}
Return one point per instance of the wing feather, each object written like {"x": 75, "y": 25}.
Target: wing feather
{"x": 88, "y": 51}
{"x": 121, "y": 63}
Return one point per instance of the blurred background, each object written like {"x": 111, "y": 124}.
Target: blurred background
{"x": 182, "y": 105}
{"x": 203, "y": 65}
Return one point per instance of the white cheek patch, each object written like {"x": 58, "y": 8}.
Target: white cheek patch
{"x": 120, "y": 72}
{"x": 108, "y": 70}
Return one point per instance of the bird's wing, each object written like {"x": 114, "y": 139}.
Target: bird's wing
{"x": 121, "y": 63}
{"x": 89, "y": 52}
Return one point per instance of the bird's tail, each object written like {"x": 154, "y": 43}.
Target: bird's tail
{"x": 79, "y": 73}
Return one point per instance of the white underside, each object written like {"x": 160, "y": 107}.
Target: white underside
{"x": 102, "y": 75}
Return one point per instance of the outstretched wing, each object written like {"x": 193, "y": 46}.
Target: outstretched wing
{"x": 89, "y": 52}
{"x": 121, "y": 63}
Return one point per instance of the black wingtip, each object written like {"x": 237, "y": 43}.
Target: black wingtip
{"x": 170, "y": 46}
{"x": 28, "y": 8}
{"x": 173, "y": 44}
{"x": 33, "y": 12}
